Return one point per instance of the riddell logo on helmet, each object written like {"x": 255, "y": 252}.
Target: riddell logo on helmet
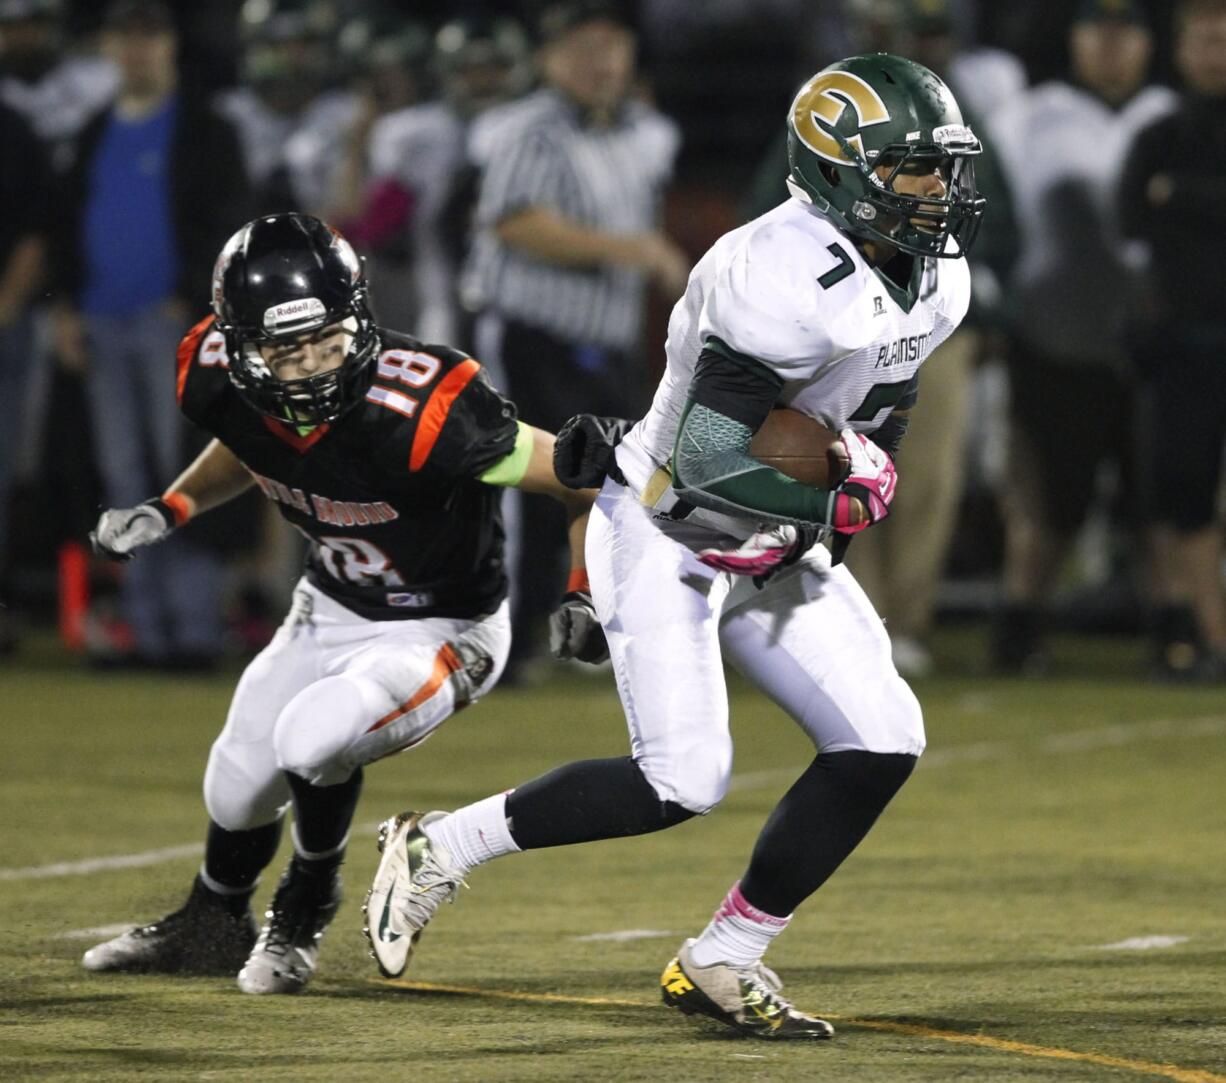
{"x": 304, "y": 313}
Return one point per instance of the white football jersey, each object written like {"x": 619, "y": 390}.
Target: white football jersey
{"x": 58, "y": 104}
{"x": 792, "y": 291}
{"x": 1074, "y": 282}
{"x": 263, "y": 133}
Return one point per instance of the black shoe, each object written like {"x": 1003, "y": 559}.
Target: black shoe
{"x": 210, "y": 935}
{"x": 1175, "y": 645}
{"x": 1016, "y": 642}
{"x": 285, "y": 954}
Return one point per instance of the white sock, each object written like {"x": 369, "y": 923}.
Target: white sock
{"x": 324, "y": 855}
{"x": 225, "y": 890}
{"x": 476, "y": 833}
{"x": 739, "y": 933}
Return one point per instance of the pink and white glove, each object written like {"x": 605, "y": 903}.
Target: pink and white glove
{"x": 763, "y": 553}
{"x": 869, "y": 486}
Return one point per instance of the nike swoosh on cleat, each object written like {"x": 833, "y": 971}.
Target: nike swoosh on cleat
{"x": 385, "y": 934}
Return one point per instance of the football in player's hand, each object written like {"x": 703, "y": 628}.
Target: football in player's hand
{"x": 802, "y": 448}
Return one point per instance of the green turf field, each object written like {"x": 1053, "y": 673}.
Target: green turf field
{"x": 969, "y": 938}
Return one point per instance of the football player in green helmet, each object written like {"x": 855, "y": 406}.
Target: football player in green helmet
{"x": 828, "y": 304}
{"x": 860, "y": 126}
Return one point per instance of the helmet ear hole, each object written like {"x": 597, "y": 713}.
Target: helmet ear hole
{"x": 830, "y": 173}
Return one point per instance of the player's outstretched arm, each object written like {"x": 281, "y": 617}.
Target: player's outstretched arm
{"x": 540, "y": 478}
{"x": 530, "y": 468}
{"x": 215, "y": 477}
{"x": 574, "y": 631}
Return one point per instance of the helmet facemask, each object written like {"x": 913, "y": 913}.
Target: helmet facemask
{"x": 861, "y": 125}
{"x": 308, "y": 400}
{"x": 921, "y": 224}
{"x": 281, "y": 278}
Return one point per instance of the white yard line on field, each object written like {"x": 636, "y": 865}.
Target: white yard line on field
{"x": 102, "y": 932}
{"x": 103, "y": 864}
{"x": 621, "y": 936}
{"x": 1144, "y": 943}
{"x": 122, "y": 861}
{"x": 1086, "y": 740}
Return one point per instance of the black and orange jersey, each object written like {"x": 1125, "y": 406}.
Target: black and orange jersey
{"x": 388, "y": 496}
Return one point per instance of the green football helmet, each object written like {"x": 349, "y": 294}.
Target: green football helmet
{"x": 880, "y": 110}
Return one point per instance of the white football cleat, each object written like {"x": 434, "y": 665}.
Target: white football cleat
{"x": 746, "y": 998}
{"x": 413, "y": 878}
{"x": 284, "y": 957}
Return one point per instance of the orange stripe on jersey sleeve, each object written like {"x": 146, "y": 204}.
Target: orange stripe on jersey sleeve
{"x": 437, "y": 407}
{"x": 187, "y": 353}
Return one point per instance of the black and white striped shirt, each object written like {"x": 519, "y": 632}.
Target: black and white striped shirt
{"x": 536, "y": 152}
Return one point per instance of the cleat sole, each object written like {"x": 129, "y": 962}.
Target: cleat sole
{"x": 388, "y": 829}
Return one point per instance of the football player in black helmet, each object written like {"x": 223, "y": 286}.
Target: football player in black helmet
{"x": 388, "y": 455}
{"x": 280, "y": 282}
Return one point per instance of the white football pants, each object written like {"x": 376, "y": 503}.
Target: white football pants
{"x": 334, "y": 691}
{"x": 809, "y": 639}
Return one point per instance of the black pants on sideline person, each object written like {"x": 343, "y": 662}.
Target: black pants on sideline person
{"x": 550, "y": 381}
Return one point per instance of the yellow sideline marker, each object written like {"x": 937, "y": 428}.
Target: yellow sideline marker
{"x": 985, "y": 1041}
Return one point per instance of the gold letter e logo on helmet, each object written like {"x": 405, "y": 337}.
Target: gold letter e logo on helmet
{"x": 820, "y": 104}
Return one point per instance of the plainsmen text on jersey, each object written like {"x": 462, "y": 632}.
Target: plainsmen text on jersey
{"x": 793, "y": 292}
{"x": 398, "y": 525}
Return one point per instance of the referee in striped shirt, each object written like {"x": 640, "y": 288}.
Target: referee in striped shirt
{"x": 566, "y": 246}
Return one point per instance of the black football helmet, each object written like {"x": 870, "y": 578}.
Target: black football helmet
{"x": 278, "y": 278}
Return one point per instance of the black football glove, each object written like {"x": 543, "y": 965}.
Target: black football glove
{"x": 583, "y": 454}
{"x": 121, "y": 530}
{"x": 574, "y": 631}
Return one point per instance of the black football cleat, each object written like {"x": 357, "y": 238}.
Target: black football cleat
{"x": 207, "y": 937}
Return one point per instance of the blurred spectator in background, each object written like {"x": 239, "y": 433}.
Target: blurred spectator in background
{"x": 1072, "y": 398}
{"x": 1173, "y": 196}
{"x": 288, "y": 75}
{"x": 481, "y": 62}
{"x": 56, "y": 84}
{"x": 55, "y": 89}
{"x": 396, "y": 171}
{"x": 901, "y": 567}
{"x": 567, "y": 243}
{"x": 25, "y": 186}
{"x": 900, "y": 564}
{"x": 384, "y": 58}
{"x": 983, "y": 78}
{"x": 381, "y": 57}
{"x": 156, "y": 186}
